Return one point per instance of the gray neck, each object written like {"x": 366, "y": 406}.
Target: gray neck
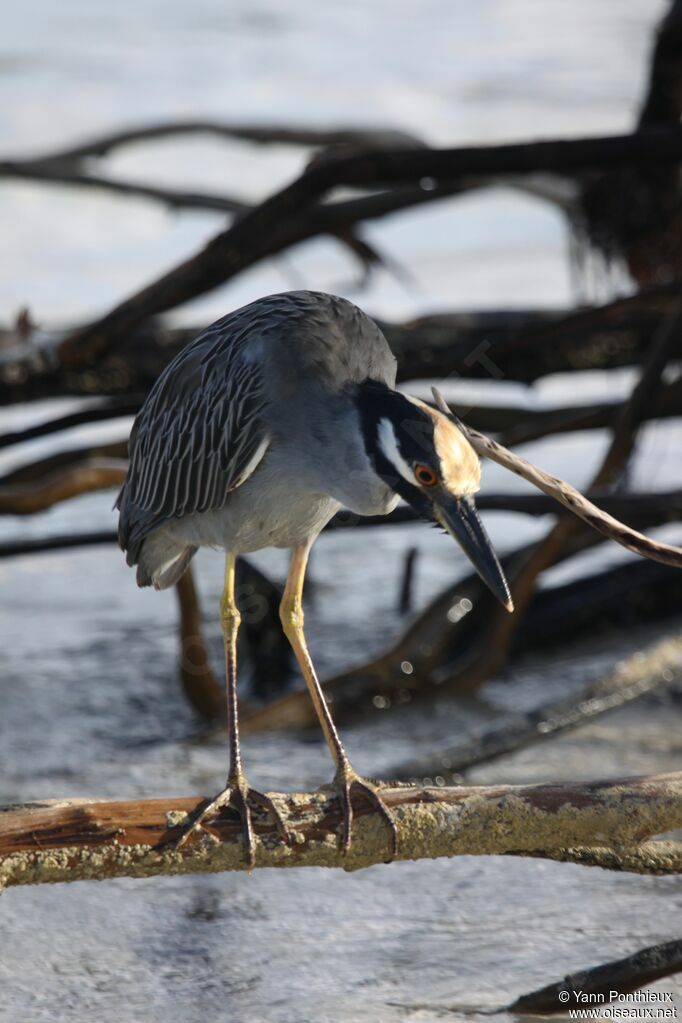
{"x": 338, "y": 459}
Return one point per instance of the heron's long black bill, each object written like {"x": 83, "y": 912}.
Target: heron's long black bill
{"x": 460, "y": 518}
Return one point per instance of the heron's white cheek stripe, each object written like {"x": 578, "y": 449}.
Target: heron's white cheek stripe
{"x": 388, "y": 442}
{"x": 253, "y": 462}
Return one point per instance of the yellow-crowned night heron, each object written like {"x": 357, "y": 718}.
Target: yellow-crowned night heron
{"x": 268, "y": 423}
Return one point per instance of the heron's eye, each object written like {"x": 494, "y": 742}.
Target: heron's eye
{"x": 425, "y": 475}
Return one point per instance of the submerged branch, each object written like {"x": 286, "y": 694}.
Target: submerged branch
{"x": 202, "y": 689}
{"x": 644, "y": 672}
{"x": 603, "y": 981}
{"x": 602, "y": 823}
{"x": 83, "y": 478}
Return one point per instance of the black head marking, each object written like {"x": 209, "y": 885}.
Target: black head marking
{"x": 413, "y": 429}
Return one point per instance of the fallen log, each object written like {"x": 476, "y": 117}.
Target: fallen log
{"x": 604, "y": 823}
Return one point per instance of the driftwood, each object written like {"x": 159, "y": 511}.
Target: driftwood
{"x": 601, "y": 983}
{"x": 645, "y": 672}
{"x": 521, "y": 345}
{"x": 296, "y": 212}
{"x": 90, "y": 475}
{"x": 598, "y": 823}
{"x": 280, "y": 219}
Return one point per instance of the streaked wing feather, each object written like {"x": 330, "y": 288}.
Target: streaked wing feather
{"x": 195, "y": 436}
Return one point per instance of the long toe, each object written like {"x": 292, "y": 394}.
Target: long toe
{"x": 208, "y": 809}
{"x": 370, "y": 792}
{"x": 265, "y": 803}
{"x": 239, "y": 796}
{"x": 347, "y": 784}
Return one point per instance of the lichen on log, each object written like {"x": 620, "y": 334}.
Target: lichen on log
{"x": 597, "y": 823}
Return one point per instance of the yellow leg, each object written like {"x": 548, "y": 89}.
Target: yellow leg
{"x": 230, "y": 620}
{"x": 237, "y": 793}
{"x": 346, "y": 780}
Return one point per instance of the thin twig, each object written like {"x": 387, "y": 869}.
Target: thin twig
{"x": 572, "y": 499}
{"x": 298, "y": 135}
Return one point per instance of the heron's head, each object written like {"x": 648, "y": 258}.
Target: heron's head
{"x": 426, "y": 459}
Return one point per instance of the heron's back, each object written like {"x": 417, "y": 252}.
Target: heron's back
{"x": 269, "y": 373}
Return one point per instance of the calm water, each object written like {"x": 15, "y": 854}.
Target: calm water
{"x": 90, "y": 703}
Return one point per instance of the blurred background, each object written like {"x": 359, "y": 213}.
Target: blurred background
{"x": 109, "y": 691}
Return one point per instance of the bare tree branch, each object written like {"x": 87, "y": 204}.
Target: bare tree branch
{"x": 263, "y": 230}
{"x": 572, "y": 499}
{"x": 64, "y": 174}
{"x": 521, "y": 345}
{"x": 261, "y": 134}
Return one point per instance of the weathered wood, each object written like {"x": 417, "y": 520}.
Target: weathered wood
{"x": 602, "y": 823}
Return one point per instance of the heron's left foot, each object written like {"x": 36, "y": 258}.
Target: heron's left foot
{"x": 239, "y": 796}
{"x": 348, "y": 783}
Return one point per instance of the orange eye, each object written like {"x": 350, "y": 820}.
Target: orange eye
{"x": 425, "y": 475}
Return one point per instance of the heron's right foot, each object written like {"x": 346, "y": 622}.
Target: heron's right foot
{"x": 348, "y": 783}
{"x": 238, "y": 795}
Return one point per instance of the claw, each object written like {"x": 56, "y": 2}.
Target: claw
{"x": 238, "y": 794}
{"x": 347, "y": 783}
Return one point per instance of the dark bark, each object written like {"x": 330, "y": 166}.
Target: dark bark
{"x": 621, "y": 975}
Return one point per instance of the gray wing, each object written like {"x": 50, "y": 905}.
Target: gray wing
{"x": 196, "y": 435}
